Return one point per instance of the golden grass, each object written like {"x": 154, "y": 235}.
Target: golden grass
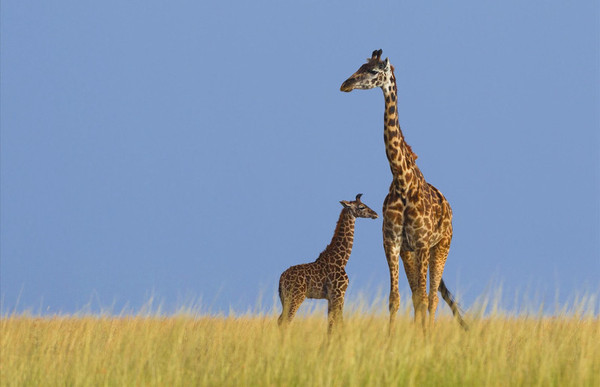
{"x": 187, "y": 349}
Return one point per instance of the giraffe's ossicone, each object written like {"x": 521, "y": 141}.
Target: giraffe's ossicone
{"x": 326, "y": 277}
{"x": 417, "y": 218}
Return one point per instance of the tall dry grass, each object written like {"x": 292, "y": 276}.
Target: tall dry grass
{"x": 186, "y": 349}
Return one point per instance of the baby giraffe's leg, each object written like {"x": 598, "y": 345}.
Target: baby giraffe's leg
{"x": 285, "y": 304}
{"x": 289, "y": 311}
{"x": 335, "y": 312}
{"x": 292, "y": 292}
{"x": 284, "y": 297}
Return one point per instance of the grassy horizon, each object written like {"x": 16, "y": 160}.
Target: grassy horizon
{"x": 195, "y": 348}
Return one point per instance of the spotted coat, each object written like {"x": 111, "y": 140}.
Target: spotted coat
{"x": 417, "y": 218}
{"x": 326, "y": 277}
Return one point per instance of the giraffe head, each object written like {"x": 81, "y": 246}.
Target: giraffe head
{"x": 374, "y": 73}
{"x": 358, "y": 209}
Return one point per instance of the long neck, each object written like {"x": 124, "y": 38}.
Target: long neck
{"x": 338, "y": 251}
{"x": 399, "y": 153}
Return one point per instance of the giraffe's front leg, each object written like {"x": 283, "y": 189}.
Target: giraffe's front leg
{"x": 391, "y": 245}
{"x": 335, "y": 310}
{"x": 392, "y": 253}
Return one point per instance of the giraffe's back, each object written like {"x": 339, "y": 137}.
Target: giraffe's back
{"x": 308, "y": 279}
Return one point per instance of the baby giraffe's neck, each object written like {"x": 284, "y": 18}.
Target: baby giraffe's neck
{"x": 338, "y": 251}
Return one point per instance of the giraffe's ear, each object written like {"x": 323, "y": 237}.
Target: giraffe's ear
{"x": 344, "y": 203}
{"x": 386, "y": 64}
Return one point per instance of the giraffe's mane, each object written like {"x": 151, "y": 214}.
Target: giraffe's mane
{"x": 338, "y": 225}
{"x": 341, "y": 219}
{"x": 413, "y": 154}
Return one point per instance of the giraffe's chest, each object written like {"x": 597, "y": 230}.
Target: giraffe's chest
{"x": 415, "y": 233}
{"x": 317, "y": 286}
{"x": 416, "y": 225}
{"x": 423, "y": 227}
{"x": 420, "y": 218}
{"x": 326, "y": 282}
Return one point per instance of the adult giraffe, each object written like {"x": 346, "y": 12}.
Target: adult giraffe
{"x": 417, "y": 219}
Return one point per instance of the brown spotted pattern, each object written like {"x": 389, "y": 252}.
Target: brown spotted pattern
{"x": 326, "y": 277}
{"x": 417, "y": 219}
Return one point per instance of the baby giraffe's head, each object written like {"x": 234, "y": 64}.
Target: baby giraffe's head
{"x": 374, "y": 73}
{"x": 358, "y": 209}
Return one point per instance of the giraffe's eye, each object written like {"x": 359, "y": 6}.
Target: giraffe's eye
{"x": 361, "y": 207}
{"x": 373, "y": 72}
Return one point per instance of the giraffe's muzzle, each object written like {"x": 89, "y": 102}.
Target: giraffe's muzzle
{"x": 347, "y": 85}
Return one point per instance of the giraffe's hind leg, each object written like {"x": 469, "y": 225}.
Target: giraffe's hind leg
{"x": 410, "y": 269}
{"x": 284, "y": 298}
{"x": 290, "y": 307}
{"x": 420, "y": 301}
{"x": 282, "y": 320}
{"x": 295, "y": 304}
{"x": 292, "y": 292}
{"x": 439, "y": 253}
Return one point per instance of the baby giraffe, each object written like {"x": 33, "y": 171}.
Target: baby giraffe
{"x": 326, "y": 277}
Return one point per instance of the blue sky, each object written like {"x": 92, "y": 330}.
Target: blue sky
{"x": 195, "y": 150}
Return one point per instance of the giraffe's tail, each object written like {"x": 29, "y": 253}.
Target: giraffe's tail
{"x": 280, "y": 294}
{"x": 456, "y": 310}
{"x": 284, "y": 311}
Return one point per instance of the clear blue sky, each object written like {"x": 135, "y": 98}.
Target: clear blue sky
{"x": 195, "y": 150}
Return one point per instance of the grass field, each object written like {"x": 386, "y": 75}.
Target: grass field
{"x": 193, "y": 349}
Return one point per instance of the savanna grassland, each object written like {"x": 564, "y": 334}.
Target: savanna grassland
{"x": 193, "y": 349}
